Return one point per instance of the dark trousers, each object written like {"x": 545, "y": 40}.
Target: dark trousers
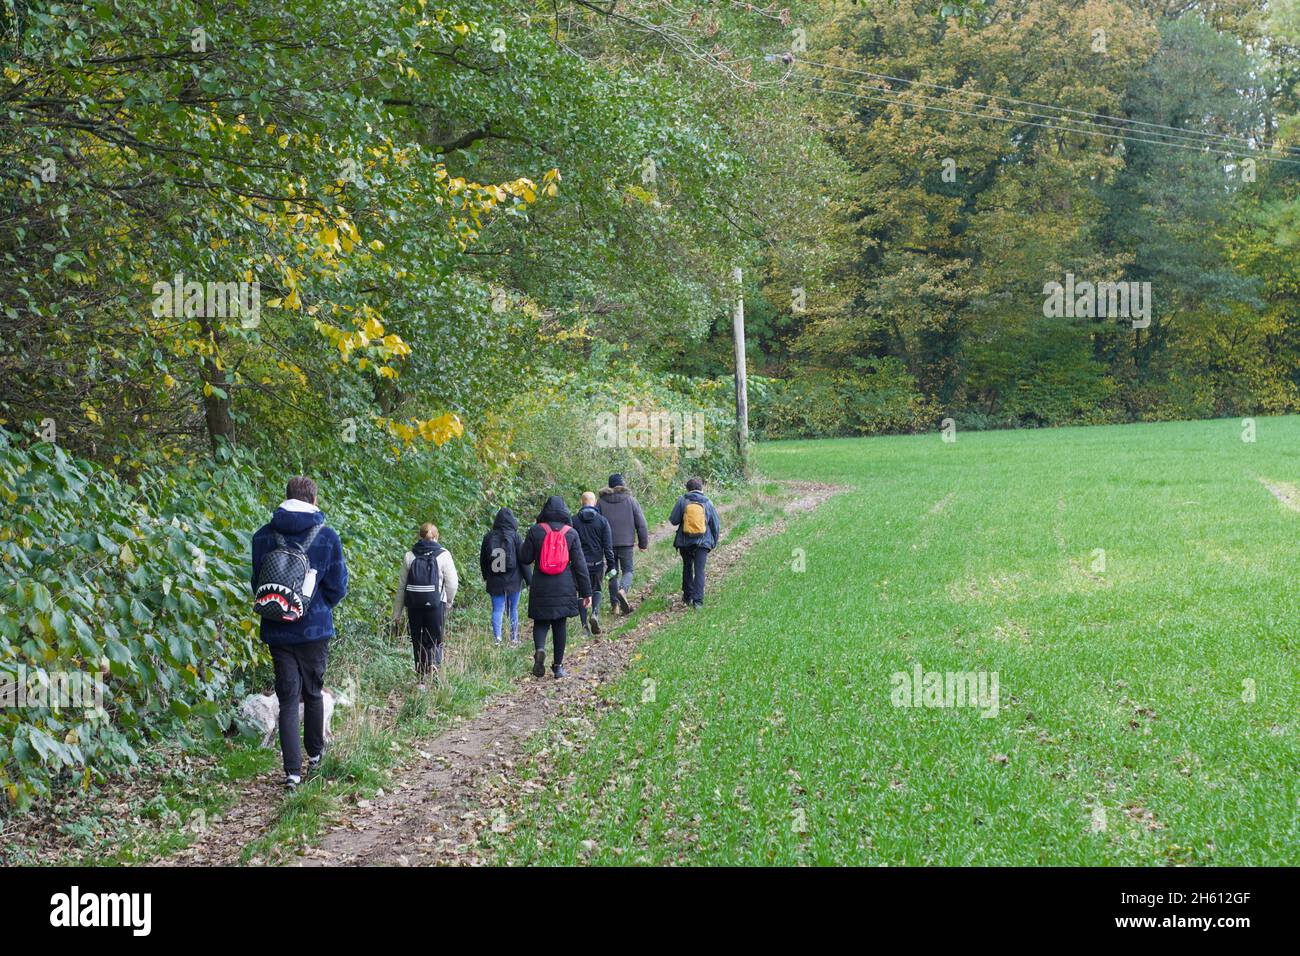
{"x": 693, "y": 560}
{"x": 426, "y": 636}
{"x": 595, "y": 573}
{"x": 299, "y": 678}
{"x": 559, "y": 629}
{"x": 623, "y": 564}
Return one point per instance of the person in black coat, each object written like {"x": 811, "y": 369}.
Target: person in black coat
{"x": 598, "y": 548}
{"x": 503, "y": 574}
{"x": 554, "y": 598}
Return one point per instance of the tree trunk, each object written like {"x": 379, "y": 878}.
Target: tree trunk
{"x": 216, "y": 407}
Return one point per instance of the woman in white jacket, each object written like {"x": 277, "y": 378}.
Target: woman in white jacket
{"x": 426, "y": 589}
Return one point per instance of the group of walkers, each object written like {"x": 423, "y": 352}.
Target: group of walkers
{"x": 565, "y": 562}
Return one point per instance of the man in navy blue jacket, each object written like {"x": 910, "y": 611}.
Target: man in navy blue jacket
{"x": 694, "y": 547}
{"x": 300, "y": 649}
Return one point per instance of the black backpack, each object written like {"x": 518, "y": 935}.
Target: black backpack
{"x": 505, "y": 542}
{"x": 279, "y": 594}
{"x": 423, "y": 581}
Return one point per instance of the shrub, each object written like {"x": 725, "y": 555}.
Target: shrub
{"x": 136, "y": 583}
{"x": 878, "y": 396}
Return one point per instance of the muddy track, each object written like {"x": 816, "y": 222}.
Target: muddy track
{"x": 436, "y": 810}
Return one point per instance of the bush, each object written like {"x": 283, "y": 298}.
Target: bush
{"x": 572, "y": 430}
{"x": 137, "y": 584}
{"x": 877, "y": 397}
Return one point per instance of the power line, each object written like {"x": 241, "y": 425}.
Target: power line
{"x": 1058, "y": 125}
{"x": 1152, "y": 129}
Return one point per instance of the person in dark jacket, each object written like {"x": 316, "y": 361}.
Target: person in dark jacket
{"x": 694, "y": 547}
{"x": 554, "y": 598}
{"x": 627, "y": 525}
{"x": 300, "y": 649}
{"x": 598, "y": 548}
{"x": 503, "y": 574}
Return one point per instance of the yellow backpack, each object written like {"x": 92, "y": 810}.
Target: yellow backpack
{"x": 694, "y": 522}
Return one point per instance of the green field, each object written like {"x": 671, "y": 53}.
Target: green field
{"x": 1147, "y": 709}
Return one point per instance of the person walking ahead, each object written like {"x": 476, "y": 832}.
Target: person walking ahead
{"x": 299, "y": 576}
{"x": 697, "y": 534}
{"x": 598, "y": 549}
{"x": 503, "y": 575}
{"x": 628, "y": 527}
{"x": 427, "y": 587}
{"x": 560, "y": 582}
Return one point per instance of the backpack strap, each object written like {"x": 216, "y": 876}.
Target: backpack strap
{"x": 311, "y": 536}
{"x": 279, "y": 539}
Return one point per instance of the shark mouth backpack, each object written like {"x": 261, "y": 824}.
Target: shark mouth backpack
{"x": 286, "y": 581}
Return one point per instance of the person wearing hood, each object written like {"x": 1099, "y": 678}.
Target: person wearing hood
{"x": 598, "y": 548}
{"x": 300, "y": 648}
{"x": 697, "y": 534}
{"x": 503, "y": 575}
{"x": 560, "y": 584}
{"x": 427, "y": 590}
{"x": 628, "y": 527}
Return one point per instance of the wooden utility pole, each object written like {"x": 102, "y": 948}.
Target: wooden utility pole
{"x": 742, "y": 395}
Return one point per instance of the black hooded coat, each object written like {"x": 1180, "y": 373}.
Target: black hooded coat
{"x": 553, "y": 596}
{"x": 504, "y": 535}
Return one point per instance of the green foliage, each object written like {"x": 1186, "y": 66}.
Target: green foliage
{"x": 141, "y": 584}
{"x": 591, "y": 417}
{"x": 876, "y": 397}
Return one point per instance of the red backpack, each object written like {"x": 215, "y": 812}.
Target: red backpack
{"x": 554, "y": 555}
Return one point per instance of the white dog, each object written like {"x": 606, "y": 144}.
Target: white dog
{"x": 263, "y": 712}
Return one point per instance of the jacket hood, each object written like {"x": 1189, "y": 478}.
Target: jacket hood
{"x": 555, "y": 510}
{"x": 295, "y": 522}
{"x": 424, "y": 546}
{"x": 505, "y": 521}
{"x": 617, "y": 493}
{"x": 699, "y": 496}
{"x": 588, "y": 513}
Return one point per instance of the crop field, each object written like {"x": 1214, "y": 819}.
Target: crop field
{"x": 1069, "y": 646}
